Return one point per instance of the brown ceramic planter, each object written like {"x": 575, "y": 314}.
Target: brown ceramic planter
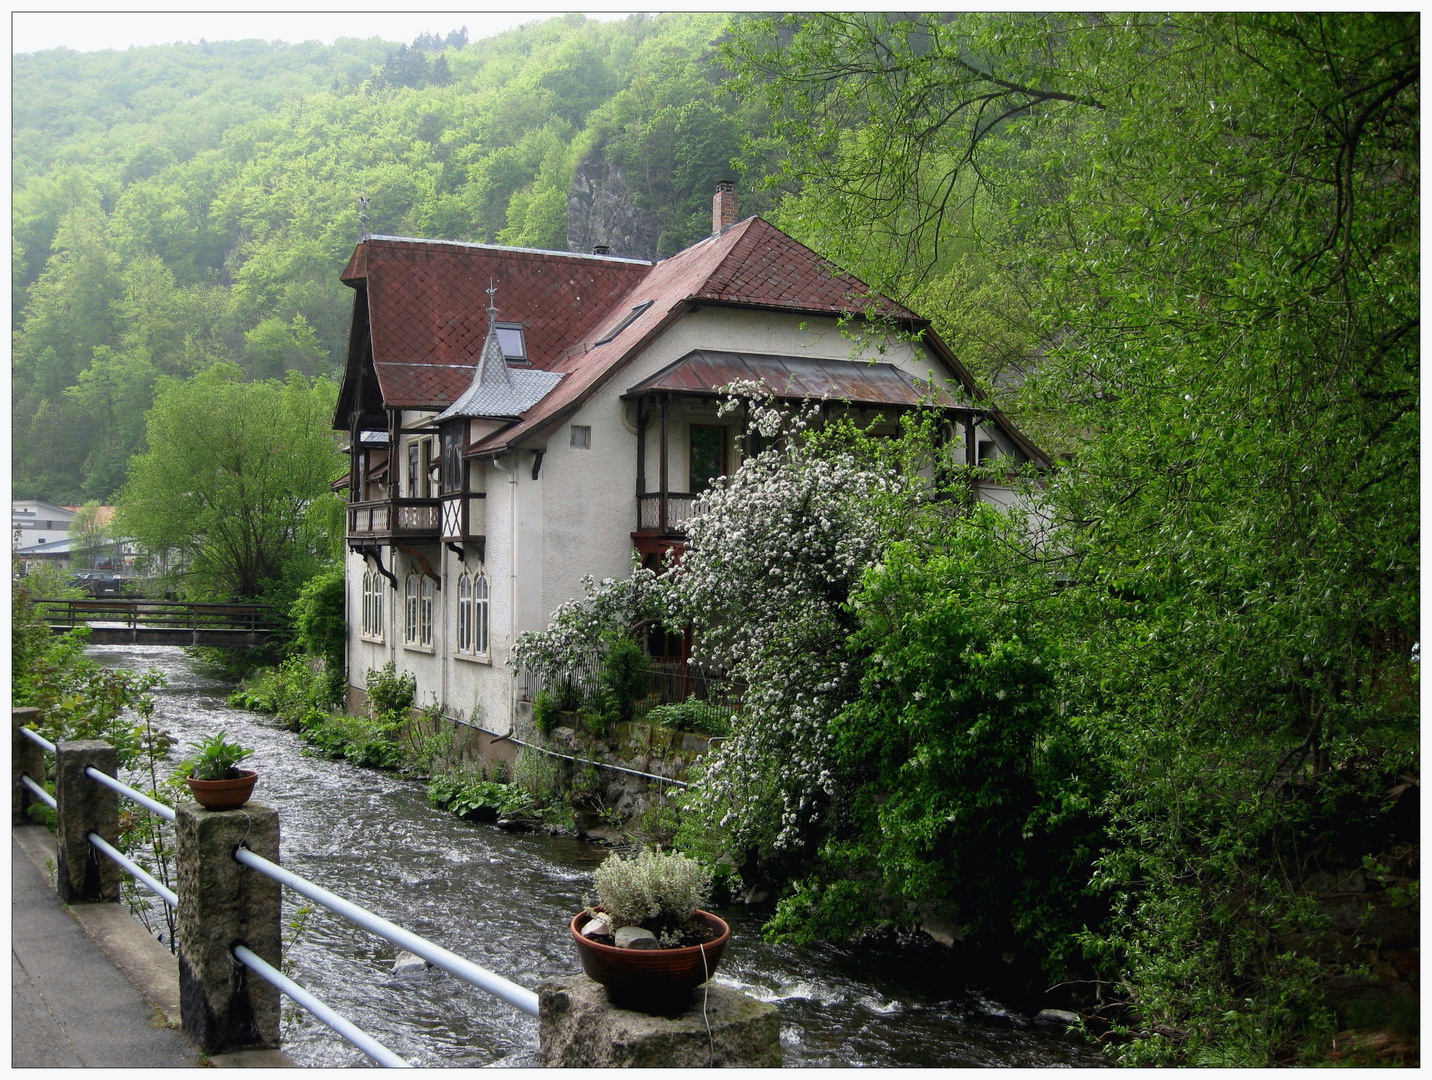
{"x": 652, "y": 980}
{"x": 223, "y": 794}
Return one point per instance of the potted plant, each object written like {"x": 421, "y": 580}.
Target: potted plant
{"x": 646, "y": 938}
{"x": 213, "y": 775}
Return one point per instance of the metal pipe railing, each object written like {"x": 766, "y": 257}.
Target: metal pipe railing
{"x": 44, "y": 796}
{"x": 168, "y": 895}
{"x": 359, "y": 1038}
{"x": 518, "y": 997}
{"x": 35, "y": 737}
{"x": 495, "y": 984}
{"x": 166, "y": 812}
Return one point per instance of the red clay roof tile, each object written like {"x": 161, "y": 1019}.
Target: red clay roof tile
{"x": 427, "y": 307}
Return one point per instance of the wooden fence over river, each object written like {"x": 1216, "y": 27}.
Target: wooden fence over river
{"x": 160, "y": 622}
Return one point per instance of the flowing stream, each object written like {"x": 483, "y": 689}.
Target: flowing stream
{"x": 502, "y": 900}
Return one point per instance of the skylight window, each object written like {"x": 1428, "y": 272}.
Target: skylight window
{"x": 631, "y": 318}
{"x": 513, "y": 341}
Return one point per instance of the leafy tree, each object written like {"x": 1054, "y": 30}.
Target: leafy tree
{"x": 231, "y": 477}
{"x": 91, "y": 534}
{"x": 1208, "y": 224}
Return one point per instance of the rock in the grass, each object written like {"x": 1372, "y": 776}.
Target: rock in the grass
{"x": 409, "y": 964}
{"x": 636, "y": 937}
{"x": 597, "y": 924}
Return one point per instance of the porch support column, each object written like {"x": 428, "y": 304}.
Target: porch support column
{"x": 665, "y": 467}
{"x": 640, "y": 456}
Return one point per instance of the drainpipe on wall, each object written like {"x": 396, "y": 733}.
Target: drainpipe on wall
{"x": 511, "y": 471}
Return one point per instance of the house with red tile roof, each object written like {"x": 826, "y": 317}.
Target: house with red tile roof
{"x": 519, "y": 419}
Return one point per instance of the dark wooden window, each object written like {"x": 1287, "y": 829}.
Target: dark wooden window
{"x": 708, "y": 456}
{"x": 452, "y": 459}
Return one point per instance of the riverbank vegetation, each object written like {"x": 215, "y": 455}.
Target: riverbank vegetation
{"x": 1198, "y": 235}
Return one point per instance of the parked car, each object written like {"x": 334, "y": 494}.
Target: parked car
{"x": 99, "y": 582}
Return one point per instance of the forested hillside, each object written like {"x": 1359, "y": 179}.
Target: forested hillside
{"x": 178, "y": 206}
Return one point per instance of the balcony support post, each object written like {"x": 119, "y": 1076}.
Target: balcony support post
{"x": 640, "y": 455}
{"x": 665, "y": 486}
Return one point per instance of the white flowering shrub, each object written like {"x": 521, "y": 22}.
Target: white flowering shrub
{"x": 581, "y": 632}
{"x": 772, "y": 557}
{"x": 656, "y": 889}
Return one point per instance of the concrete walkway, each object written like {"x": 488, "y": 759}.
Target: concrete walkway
{"x": 88, "y": 986}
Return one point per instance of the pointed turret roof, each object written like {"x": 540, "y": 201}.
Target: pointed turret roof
{"x": 497, "y": 390}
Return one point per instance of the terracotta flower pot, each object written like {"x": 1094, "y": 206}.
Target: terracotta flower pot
{"x": 223, "y": 794}
{"x": 651, "y": 980}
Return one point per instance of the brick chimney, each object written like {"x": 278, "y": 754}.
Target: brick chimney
{"x": 723, "y": 206}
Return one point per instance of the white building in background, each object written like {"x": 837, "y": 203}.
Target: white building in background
{"x": 519, "y": 419}
{"x": 33, "y": 523}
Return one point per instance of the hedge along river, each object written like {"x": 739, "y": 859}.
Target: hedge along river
{"x": 503, "y": 899}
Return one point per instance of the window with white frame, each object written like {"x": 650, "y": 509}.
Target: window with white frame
{"x": 425, "y": 612}
{"x": 479, "y": 615}
{"x": 472, "y": 609}
{"x": 410, "y": 610}
{"x": 464, "y": 614}
{"x": 372, "y": 621}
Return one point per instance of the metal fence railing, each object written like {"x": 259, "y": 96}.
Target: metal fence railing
{"x": 517, "y": 996}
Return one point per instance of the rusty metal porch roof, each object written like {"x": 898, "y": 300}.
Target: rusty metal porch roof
{"x": 705, "y": 372}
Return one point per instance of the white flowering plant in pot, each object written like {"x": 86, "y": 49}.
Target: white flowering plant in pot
{"x": 660, "y": 891}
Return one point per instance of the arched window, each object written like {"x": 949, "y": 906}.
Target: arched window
{"x": 479, "y": 615}
{"x": 372, "y": 622}
{"x": 410, "y": 610}
{"x": 464, "y": 614}
{"x": 425, "y": 612}
{"x": 365, "y": 601}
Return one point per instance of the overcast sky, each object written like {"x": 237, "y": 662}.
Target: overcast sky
{"x": 32, "y": 31}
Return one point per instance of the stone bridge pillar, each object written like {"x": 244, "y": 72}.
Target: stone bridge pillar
{"x": 85, "y": 806}
{"x": 27, "y": 758}
{"x": 223, "y": 903}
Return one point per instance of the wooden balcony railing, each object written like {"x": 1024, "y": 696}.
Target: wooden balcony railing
{"x": 680, "y": 505}
{"x": 415, "y": 519}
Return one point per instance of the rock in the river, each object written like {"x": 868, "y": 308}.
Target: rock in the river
{"x": 579, "y": 1028}
{"x": 1057, "y": 1016}
{"x": 636, "y": 937}
{"x": 408, "y": 964}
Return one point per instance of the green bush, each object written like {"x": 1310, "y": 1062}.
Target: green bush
{"x": 288, "y": 691}
{"x": 622, "y": 677}
{"x": 546, "y": 712}
{"x": 468, "y": 794}
{"x": 357, "y": 739}
{"x": 390, "y": 695}
{"x": 537, "y": 774}
{"x": 318, "y": 619}
{"x": 701, "y": 717}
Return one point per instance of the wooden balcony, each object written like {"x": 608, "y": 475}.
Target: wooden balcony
{"x": 398, "y": 519}
{"x": 664, "y": 514}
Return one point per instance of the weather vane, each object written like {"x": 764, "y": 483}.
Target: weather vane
{"x": 363, "y": 216}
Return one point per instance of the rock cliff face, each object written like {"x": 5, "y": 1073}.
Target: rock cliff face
{"x": 601, "y": 210}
